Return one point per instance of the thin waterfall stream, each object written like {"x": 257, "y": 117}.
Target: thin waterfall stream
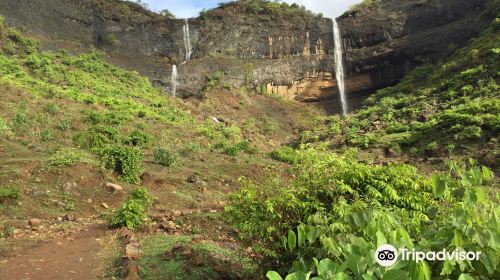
{"x": 339, "y": 67}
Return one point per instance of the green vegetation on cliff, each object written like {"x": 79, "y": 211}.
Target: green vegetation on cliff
{"x": 328, "y": 220}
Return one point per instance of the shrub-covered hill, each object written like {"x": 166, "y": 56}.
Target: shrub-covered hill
{"x": 328, "y": 220}
{"x": 448, "y": 108}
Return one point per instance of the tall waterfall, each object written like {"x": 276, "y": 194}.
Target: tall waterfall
{"x": 187, "y": 40}
{"x": 339, "y": 66}
{"x": 174, "y": 80}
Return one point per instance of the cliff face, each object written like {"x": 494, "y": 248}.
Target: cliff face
{"x": 385, "y": 41}
{"x": 276, "y": 49}
{"x": 292, "y": 56}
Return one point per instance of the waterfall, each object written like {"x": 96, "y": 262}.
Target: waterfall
{"x": 187, "y": 40}
{"x": 339, "y": 66}
{"x": 174, "y": 80}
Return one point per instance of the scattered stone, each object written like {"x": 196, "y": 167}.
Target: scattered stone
{"x": 69, "y": 217}
{"x": 60, "y": 204}
{"x": 215, "y": 120}
{"x": 422, "y": 118}
{"x": 38, "y": 193}
{"x": 114, "y": 187}
{"x": 105, "y": 205}
{"x": 89, "y": 200}
{"x": 169, "y": 226}
{"x": 176, "y": 213}
{"x": 197, "y": 238}
{"x": 132, "y": 251}
{"x": 68, "y": 187}
{"x": 59, "y": 219}
{"x": 38, "y": 180}
{"x": 192, "y": 178}
{"x": 390, "y": 153}
{"x": 35, "y": 222}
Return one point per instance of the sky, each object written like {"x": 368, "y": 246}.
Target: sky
{"x": 191, "y": 8}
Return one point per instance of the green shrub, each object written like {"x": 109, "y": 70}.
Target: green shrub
{"x": 243, "y": 146}
{"x": 64, "y": 124}
{"x": 98, "y": 136}
{"x": 165, "y": 156}
{"x": 284, "y": 154}
{"x": 340, "y": 247}
{"x": 124, "y": 160}
{"x": 9, "y": 193}
{"x": 190, "y": 148}
{"x": 65, "y": 157}
{"x": 331, "y": 185}
{"x": 132, "y": 213}
{"x": 214, "y": 81}
{"x": 45, "y": 135}
{"x": 5, "y": 129}
{"x": 137, "y": 138}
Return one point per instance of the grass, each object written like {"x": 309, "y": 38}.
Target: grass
{"x": 155, "y": 265}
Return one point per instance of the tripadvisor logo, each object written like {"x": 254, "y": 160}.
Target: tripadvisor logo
{"x": 387, "y": 255}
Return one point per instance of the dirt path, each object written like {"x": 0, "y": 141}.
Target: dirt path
{"x": 76, "y": 258}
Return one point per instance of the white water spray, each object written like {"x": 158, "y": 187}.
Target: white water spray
{"x": 339, "y": 67}
{"x": 187, "y": 40}
{"x": 174, "y": 80}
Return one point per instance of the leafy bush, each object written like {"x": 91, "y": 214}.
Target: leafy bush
{"x": 214, "y": 81}
{"x": 284, "y": 154}
{"x": 331, "y": 185}
{"x": 137, "y": 138}
{"x": 165, "y": 156}
{"x": 344, "y": 248}
{"x": 65, "y": 157}
{"x": 124, "y": 160}
{"x": 132, "y": 212}
{"x": 243, "y": 146}
{"x": 9, "y": 193}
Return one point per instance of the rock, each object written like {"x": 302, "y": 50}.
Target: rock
{"x": 114, "y": 187}
{"x": 68, "y": 187}
{"x": 390, "y": 153}
{"x": 169, "y": 226}
{"x": 192, "y": 178}
{"x": 422, "y": 118}
{"x": 59, "y": 219}
{"x": 69, "y": 217}
{"x": 197, "y": 238}
{"x": 105, "y": 205}
{"x": 35, "y": 222}
{"x": 38, "y": 180}
{"x": 132, "y": 251}
{"x": 176, "y": 213}
{"x": 38, "y": 193}
{"x": 216, "y": 120}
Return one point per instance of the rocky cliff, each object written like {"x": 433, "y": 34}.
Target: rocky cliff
{"x": 288, "y": 54}
{"x": 388, "y": 38}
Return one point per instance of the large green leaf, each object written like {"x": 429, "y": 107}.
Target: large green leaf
{"x": 395, "y": 274}
{"x": 465, "y": 276}
{"x": 327, "y": 267}
{"x": 292, "y": 240}
{"x": 439, "y": 185}
{"x": 297, "y": 276}
{"x": 273, "y": 275}
{"x": 301, "y": 235}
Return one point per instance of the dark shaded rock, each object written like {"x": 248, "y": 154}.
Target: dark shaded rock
{"x": 390, "y": 38}
{"x": 192, "y": 178}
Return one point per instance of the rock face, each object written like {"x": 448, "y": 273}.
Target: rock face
{"x": 385, "y": 41}
{"x": 292, "y": 56}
